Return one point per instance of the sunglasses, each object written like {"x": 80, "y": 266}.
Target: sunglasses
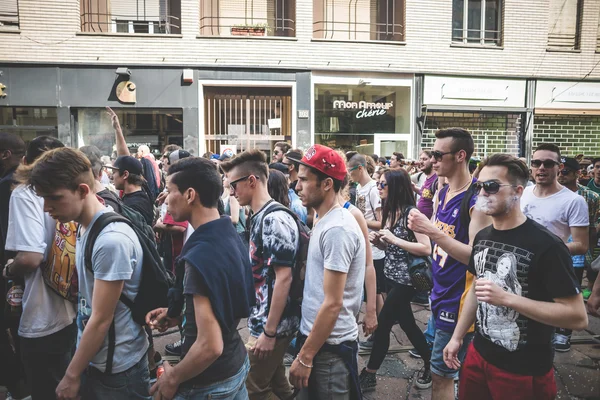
{"x": 565, "y": 171}
{"x": 381, "y": 185}
{"x": 545, "y": 163}
{"x": 490, "y": 187}
{"x": 438, "y": 155}
{"x": 233, "y": 184}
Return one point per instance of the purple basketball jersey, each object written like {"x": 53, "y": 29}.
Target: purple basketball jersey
{"x": 450, "y": 277}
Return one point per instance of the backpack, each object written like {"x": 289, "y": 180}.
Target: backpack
{"x": 299, "y": 269}
{"x": 59, "y": 270}
{"x": 465, "y": 203}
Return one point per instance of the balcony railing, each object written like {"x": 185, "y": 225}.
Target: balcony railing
{"x": 477, "y": 36}
{"x": 138, "y": 16}
{"x": 9, "y": 14}
{"x": 248, "y": 18}
{"x": 359, "y": 19}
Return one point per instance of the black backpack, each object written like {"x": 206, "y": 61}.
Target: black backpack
{"x": 299, "y": 270}
{"x": 155, "y": 280}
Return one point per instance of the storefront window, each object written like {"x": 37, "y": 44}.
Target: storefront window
{"x": 154, "y": 128}
{"x": 28, "y": 122}
{"x": 355, "y": 117}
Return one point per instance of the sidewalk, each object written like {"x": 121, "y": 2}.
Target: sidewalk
{"x": 577, "y": 372}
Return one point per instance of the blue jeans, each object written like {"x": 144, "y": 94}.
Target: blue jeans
{"x": 131, "y": 384}
{"x": 233, "y": 388}
{"x": 438, "y": 366}
{"x": 430, "y": 331}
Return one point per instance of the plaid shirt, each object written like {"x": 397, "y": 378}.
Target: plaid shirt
{"x": 593, "y": 201}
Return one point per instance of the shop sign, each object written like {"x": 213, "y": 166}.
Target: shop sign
{"x": 576, "y": 94}
{"x": 466, "y": 90}
{"x": 365, "y": 109}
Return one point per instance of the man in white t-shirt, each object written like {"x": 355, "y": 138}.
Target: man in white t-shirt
{"x": 369, "y": 203}
{"x": 326, "y": 365}
{"x": 558, "y": 209}
{"x": 46, "y": 329}
{"x": 101, "y": 364}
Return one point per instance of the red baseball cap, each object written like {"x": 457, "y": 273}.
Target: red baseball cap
{"x": 325, "y": 160}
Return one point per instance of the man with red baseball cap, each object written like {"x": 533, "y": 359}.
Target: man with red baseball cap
{"x": 326, "y": 366}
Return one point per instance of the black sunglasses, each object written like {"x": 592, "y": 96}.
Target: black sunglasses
{"x": 233, "y": 184}
{"x": 438, "y": 155}
{"x": 546, "y": 163}
{"x": 565, "y": 171}
{"x": 490, "y": 187}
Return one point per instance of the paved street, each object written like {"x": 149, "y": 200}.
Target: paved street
{"x": 577, "y": 372}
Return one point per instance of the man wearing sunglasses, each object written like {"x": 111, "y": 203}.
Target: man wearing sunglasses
{"x": 524, "y": 287}
{"x": 274, "y": 242}
{"x": 556, "y": 208}
{"x": 454, "y": 226}
{"x": 279, "y": 151}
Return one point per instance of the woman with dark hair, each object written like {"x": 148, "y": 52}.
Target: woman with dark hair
{"x": 397, "y": 240}
{"x": 278, "y": 187}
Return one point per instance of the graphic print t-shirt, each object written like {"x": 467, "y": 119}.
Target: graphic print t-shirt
{"x": 368, "y": 201}
{"x": 277, "y": 246}
{"x": 528, "y": 261}
{"x": 450, "y": 277}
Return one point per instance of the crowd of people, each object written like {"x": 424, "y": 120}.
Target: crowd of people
{"x": 296, "y": 246}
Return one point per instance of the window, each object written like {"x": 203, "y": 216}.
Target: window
{"x": 359, "y": 19}
{"x": 564, "y": 24}
{"x": 598, "y": 38}
{"x": 477, "y": 22}
{"x": 131, "y": 16}
{"x": 254, "y": 18}
{"x": 9, "y": 14}
{"x": 29, "y": 122}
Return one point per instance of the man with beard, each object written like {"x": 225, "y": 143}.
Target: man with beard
{"x": 274, "y": 241}
{"x": 326, "y": 365}
{"x": 279, "y": 151}
{"x": 453, "y": 229}
{"x": 558, "y": 209}
{"x": 524, "y": 286}
{"x": 427, "y": 184}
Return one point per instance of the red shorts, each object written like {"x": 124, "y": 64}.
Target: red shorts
{"x": 480, "y": 380}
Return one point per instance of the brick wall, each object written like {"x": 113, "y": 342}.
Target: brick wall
{"x": 50, "y": 33}
{"x": 574, "y": 134}
{"x": 492, "y": 133}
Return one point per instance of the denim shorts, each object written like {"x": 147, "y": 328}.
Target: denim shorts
{"x": 233, "y": 388}
{"x": 127, "y": 385}
{"x": 438, "y": 366}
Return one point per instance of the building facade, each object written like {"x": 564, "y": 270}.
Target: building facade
{"x": 376, "y": 76}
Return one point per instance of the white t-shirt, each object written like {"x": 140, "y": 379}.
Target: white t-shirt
{"x": 368, "y": 201}
{"x": 31, "y": 229}
{"x": 557, "y": 212}
{"x": 117, "y": 256}
{"x": 336, "y": 244}
{"x": 418, "y": 179}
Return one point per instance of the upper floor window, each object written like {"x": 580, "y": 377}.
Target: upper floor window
{"x": 598, "y": 38}
{"x": 248, "y": 18}
{"x": 359, "y": 19}
{"x": 477, "y": 22}
{"x": 131, "y": 16}
{"x": 564, "y": 24}
{"x": 9, "y": 14}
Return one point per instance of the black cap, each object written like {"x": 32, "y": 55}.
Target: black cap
{"x": 281, "y": 167}
{"x": 177, "y": 155}
{"x": 294, "y": 155}
{"x": 571, "y": 163}
{"x": 127, "y": 163}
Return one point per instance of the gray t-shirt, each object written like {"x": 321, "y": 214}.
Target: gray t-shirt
{"x": 336, "y": 244}
{"x": 117, "y": 256}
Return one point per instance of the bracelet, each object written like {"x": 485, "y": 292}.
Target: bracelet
{"x": 270, "y": 336}
{"x": 300, "y": 361}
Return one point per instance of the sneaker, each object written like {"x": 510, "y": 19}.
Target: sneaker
{"x": 415, "y": 353}
{"x": 366, "y": 344}
{"x": 368, "y": 380}
{"x": 562, "y": 343}
{"x": 174, "y": 349}
{"x": 288, "y": 359}
{"x": 424, "y": 379}
{"x": 586, "y": 293}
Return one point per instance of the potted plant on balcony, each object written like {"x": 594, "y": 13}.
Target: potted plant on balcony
{"x": 260, "y": 29}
